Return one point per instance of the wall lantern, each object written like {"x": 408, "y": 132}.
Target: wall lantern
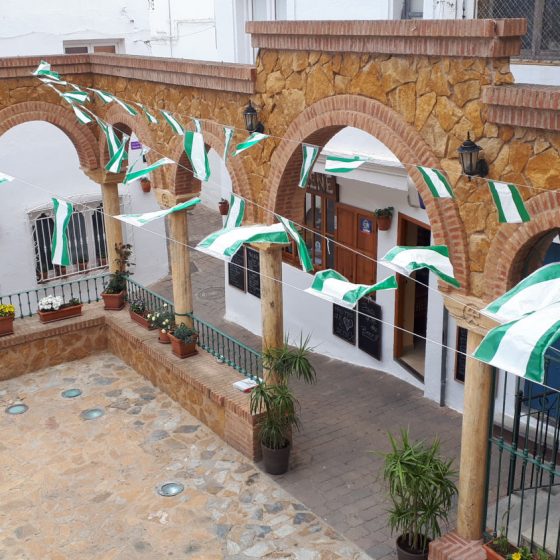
{"x": 252, "y": 123}
{"x": 470, "y": 162}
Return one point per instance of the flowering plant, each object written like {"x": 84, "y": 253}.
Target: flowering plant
{"x": 138, "y": 305}
{"x": 50, "y": 303}
{"x": 522, "y": 554}
{"x": 7, "y": 310}
{"x": 162, "y": 319}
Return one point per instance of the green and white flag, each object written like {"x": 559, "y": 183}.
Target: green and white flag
{"x": 339, "y": 164}
{"x": 103, "y": 95}
{"x": 115, "y": 163}
{"x": 520, "y": 346}
{"x": 304, "y": 258}
{"x": 228, "y": 134}
{"x": 5, "y": 178}
{"x": 80, "y": 97}
{"x": 139, "y": 220}
{"x": 251, "y": 140}
{"x": 332, "y": 286}
{"x": 44, "y": 69}
{"x": 173, "y": 122}
{"x": 128, "y": 108}
{"x": 406, "y": 260}
{"x": 224, "y": 243}
{"x": 133, "y": 175}
{"x": 197, "y": 125}
{"x": 81, "y": 115}
{"x": 509, "y": 203}
{"x": 149, "y": 116}
{"x": 538, "y": 290}
{"x": 196, "y": 152}
{"x": 113, "y": 142}
{"x": 310, "y": 154}
{"x": 59, "y": 247}
{"x": 46, "y": 80}
{"x": 236, "y": 212}
{"x": 437, "y": 183}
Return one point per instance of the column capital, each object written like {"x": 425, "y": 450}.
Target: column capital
{"x": 103, "y": 177}
{"x": 466, "y": 312}
{"x": 167, "y": 199}
{"x": 268, "y": 247}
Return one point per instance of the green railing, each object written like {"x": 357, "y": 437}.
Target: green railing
{"x": 86, "y": 290}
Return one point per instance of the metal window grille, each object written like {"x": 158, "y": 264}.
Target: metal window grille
{"x": 542, "y": 40}
{"x": 87, "y": 243}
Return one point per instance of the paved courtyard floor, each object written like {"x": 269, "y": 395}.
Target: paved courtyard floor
{"x": 72, "y": 488}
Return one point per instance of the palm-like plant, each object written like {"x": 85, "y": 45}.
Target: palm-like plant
{"x": 286, "y": 362}
{"x": 421, "y": 490}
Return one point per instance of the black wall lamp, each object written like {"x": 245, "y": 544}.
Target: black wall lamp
{"x": 252, "y": 123}
{"x": 470, "y": 162}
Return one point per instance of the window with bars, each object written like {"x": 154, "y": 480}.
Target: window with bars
{"x": 87, "y": 244}
{"x": 543, "y": 24}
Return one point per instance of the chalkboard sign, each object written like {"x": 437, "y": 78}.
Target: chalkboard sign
{"x": 344, "y": 323}
{"x": 369, "y": 327}
{"x": 460, "y": 359}
{"x": 236, "y": 270}
{"x": 253, "y": 269}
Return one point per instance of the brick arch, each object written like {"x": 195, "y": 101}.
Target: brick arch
{"x": 63, "y": 118}
{"x": 519, "y": 249}
{"x": 321, "y": 121}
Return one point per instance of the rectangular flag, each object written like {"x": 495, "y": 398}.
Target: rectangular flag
{"x": 128, "y": 108}
{"x": 5, "y": 178}
{"x": 75, "y": 96}
{"x": 236, "y": 212}
{"x": 44, "y": 69}
{"x": 132, "y": 175}
{"x": 81, "y": 115}
{"x": 251, "y": 140}
{"x": 197, "y": 125}
{"x": 196, "y": 152}
{"x": 520, "y": 346}
{"x": 406, "y": 260}
{"x": 332, "y": 286}
{"x": 149, "y": 116}
{"x": 103, "y": 95}
{"x": 139, "y": 220}
{"x": 115, "y": 163}
{"x": 172, "y": 122}
{"x": 509, "y": 203}
{"x": 59, "y": 247}
{"x": 310, "y": 154}
{"x": 303, "y": 253}
{"x": 228, "y": 135}
{"x": 340, "y": 164}
{"x": 437, "y": 183}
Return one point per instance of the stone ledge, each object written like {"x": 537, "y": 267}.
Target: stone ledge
{"x": 481, "y": 38}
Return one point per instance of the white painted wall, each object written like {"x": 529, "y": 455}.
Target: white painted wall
{"x": 219, "y": 185}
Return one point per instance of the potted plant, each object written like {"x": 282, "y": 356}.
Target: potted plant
{"x": 384, "y": 216}
{"x": 500, "y": 547}
{"x": 82, "y": 263}
{"x": 164, "y": 321}
{"x": 421, "y": 489}
{"x": 59, "y": 270}
{"x": 7, "y": 315}
{"x": 139, "y": 313}
{"x": 114, "y": 294}
{"x": 102, "y": 258}
{"x": 183, "y": 341}
{"x": 53, "y": 308}
{"x": 277, "y": 405}
{"x": 223, "y": 206}
{"x": 146, "y": 184}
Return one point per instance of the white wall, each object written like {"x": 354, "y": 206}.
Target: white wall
{"x": 36, "y": 27}
{"x": 219, "y": 185}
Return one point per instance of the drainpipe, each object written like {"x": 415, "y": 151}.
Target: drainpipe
{"x": 443, "y": 378}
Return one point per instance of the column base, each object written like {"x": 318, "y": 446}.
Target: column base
{"x": 452, "y": 547}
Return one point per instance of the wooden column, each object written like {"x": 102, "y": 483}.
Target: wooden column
{"x": 272, "y": 315}
{"x": 474, "y": 443}
{"x": 113, "y": 228}
{"x": 180, "y": 267}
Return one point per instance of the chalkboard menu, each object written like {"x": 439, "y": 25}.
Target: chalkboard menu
{"x": 460, "y": 358}
{"x": 369, "y": 327}
{"x": 236, "y": 270}
{"x": 253, "y": 269}
{"x": 344, "y": 323}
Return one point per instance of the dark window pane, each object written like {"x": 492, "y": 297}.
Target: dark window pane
{"x": 308, "y": 209}
{"x": 330, "y": 253}
{"x": 331, "y": 213}
{"x": 105, "y": 49}
{"x": 318, "y": 212}
{"x": 551, "y": 26}
{"x": 317, "y": 250}
{"x": 75, "y": 50}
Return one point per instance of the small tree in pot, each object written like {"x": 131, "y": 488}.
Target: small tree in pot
{"x": 421, "y": 490}
{"x": 114, "y": 294}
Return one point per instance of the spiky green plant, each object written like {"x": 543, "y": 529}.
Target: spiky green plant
{"x": 286, "y": 362}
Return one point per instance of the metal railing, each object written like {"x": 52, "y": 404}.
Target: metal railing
{"x": 87, "y": 290}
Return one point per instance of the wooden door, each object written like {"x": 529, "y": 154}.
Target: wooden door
{"x": 345, "y": 234}
{"x": 366, "y": 242}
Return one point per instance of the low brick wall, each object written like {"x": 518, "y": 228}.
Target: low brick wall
{"x": 452, "y": 547}
{"x": 199, "y": 383}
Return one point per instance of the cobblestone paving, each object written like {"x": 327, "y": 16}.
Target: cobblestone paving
{"x": 86, "y": 489}
{"x": 336, "y": 467}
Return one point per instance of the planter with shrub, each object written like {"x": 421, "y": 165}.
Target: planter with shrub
{"x": 384, "y": 216}
{"x": 139, "y": 313}
{"x": 53, "y": 308}
{"x": 164, "y": 321}
{"x": 115, "y": 291}
{"x": 7, "y": 315}
{"x": 183, "y": 341}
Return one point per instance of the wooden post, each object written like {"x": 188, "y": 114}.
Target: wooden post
{"x": 474, "y": 443}
{"x": 113, "y": 228}
{"x": 180, "y": 267}
{"x": 272, "y": 315}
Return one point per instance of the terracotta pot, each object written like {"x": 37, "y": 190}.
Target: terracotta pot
{"x": 83, "y": 265}
{"x": 383, "y": 223}
{"x": 6, "y": 326}
{"x": 59, "y": 270}
{"x": 276, "y": 461}
{"x": 102, "y": 261}
{"x": 163, "y": 338}
{"x": 113, "y": 302}
{"x": 403, "y": 553}
{"x": 60, "y": 314}
{"x": 146, "y": 185}
{"x": 491, "y": 554}
{"x": 142, "y": 321}
{"x": 223, "y": 206}
{"x": 182, "y": 349}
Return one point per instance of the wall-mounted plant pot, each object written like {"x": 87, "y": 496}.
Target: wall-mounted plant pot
{"x": 102, "y": 261}
{"x": 223, "y": 207}
{"x": 6, "y": 326}
{"x": 142, "y": 321}
{"x": 59, "y": 270}
{"x": 384, "y": 223}
{"x": 163, "y": 338}
{"x": 276, "y": 461}
{"x": 60, "y": 314}
{"x": 83, "y": 266}
{"x": 182, "y": 349}
{"x": 113, "y": 302}
{"x": 146, "y": 185}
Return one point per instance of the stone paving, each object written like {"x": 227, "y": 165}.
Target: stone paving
{"x": 86, "y": 489}
{"x": 336, "y": 466}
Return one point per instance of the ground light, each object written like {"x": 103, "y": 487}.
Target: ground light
{"x": 170, "y": 489}
{"x": 71, "y": 393}
{"x": 17, "y": 409}
{"x": 92, "y": 413}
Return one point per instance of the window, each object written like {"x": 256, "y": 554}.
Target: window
{"x": 412, "y": 9}
{"x": 87, "y": 244}
{"x": 94, "y": 46}
{"x": 543, "y": 24}
{"x": 460, "y": 358}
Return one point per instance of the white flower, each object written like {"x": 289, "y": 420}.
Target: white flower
{"x": 165, "y": 305}
{"x": 163, "y": 331}
{"x": 50, "y": 303}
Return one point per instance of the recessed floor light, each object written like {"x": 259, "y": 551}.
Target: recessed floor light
{"x": 170, "y": 489}
{"x": 17, "y": 409}
{"x": 92, "y": 413}
{"x": 71, "y": 393}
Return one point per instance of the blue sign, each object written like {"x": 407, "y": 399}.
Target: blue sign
{"x": 366, "y": 225}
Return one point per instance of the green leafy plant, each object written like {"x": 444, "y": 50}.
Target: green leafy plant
{"x": 381, "y": 212}
{"x": 286, "y": 362}
{"x": 421, "y": 490}
{"x": 501, "y": 544}
{"x": 73, "y": 301}
{"x": 185, "y": 334}
{"x": 138, "y": 306}
{"x": 117, "y": 281}
{"x": 162, "y": 319}
{"x": 542, "y": 555}
{"x": 523, "y": 553}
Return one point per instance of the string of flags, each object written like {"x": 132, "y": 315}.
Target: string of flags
{"x": 140, "y": 220}
{"x": 59, "y": 246}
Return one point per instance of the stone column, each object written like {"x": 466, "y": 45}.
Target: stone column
{"x": 272, "y": 315}
{"x": 113, "y": 228}
{"x": 180, "y": 267}
{"x": 474, "y": 443}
